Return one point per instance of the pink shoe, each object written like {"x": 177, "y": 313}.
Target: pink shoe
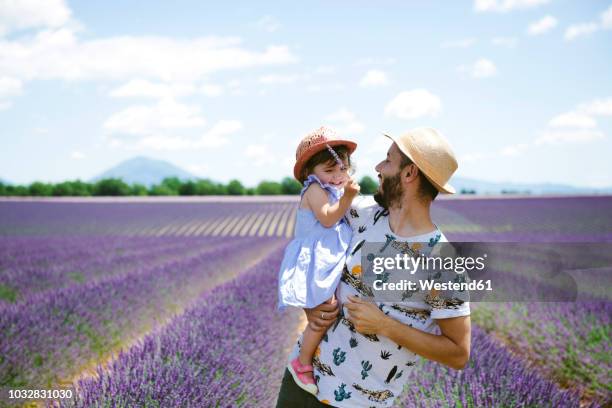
{"x": 297, "y": 370}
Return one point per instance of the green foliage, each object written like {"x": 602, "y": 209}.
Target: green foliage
{"x": 368, "y": 185}
{"x": 110, "y": 187}
{"x": 169, "y": 186}
{"x": 40, "y": 189}
{"x": 290, "y": 186}
{"x": 269, "y": 188}
{"x": 138, "y": 189}
{"x": 235, "y": 187}
{"x": 7, "y": 293}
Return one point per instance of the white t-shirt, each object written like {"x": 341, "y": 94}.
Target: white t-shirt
{"x": 354, "y": 370}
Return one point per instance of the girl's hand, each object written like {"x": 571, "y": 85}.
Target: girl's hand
{"x": 351, "y": 188}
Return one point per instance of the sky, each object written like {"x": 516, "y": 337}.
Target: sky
{"x": 521, "y": 88}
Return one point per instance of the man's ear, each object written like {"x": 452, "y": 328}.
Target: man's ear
{"x": 411, "y": 172}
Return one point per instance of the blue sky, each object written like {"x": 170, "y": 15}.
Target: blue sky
{"x": 521, "y": 88}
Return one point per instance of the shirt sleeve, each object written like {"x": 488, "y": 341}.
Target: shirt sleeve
{"x": 448, "y": 309}
{"x": 448, "y": 312}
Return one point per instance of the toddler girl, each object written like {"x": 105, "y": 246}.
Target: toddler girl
{"x": 314, "y": 259}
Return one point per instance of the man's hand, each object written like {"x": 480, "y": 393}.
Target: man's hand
{"x": 322, "y": 316}
{"x": 365, "y": 316}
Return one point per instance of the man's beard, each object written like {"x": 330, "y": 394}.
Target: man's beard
{"x": 391, "y": 192}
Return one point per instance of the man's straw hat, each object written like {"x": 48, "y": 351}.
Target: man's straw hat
{"x": 431, "y": 153}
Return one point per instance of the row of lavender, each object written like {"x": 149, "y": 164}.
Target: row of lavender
{"x": 49, "y": 337}
{"x": 211, "y": 356}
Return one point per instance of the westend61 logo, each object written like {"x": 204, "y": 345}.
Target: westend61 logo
{"x": 396, "y": 271}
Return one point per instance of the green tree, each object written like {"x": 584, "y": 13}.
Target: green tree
{"x": 188, "y": 188}
{"x": 161, "y": 190}
{"x": 235, "y": 187}
{"x": 63, "y": 189}
{"x": 137, "y": 189}
{"x": 2, "y": 189}
{"x": 269, "y": 188}
{"x": 368, "y": 185}
{"x": 289, "y": 185}
{"x": 111, "y": 187}
{"x": 41, "y": 189}
{"x": 173, "y": 184}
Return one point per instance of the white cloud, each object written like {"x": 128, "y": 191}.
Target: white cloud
{"x": 542, "y": 26}
{"x": 198, "y": 169}
{"x": 514, "y": 150}
{"x": 345, "y": 122}
{"x": 211, "y": 90}
{"x": 585, "y": 29}
{"x": 376, "y": 61}
{"x": 76, "y": 155}
{"x": 9, "y": 87}
{"x": 325, "y": 69}
{"x": 268, "y": 23}
{"x": 482, "y": 68}
{"x": 213, "y": 138}
{"x": 24, "y": 14}
{"x": 167, "y": 114}
{"x": 463, "y": 43}
{"x": 259, "y": 154}
{"x": 509, "y": 42}
{"x": 144, "y": 88}
{"x": 414, "y": 104}
{"x": 373, "y": 78}
{"x": 59, "y": 54}
{"x": 279, "y": 79}
{"x": 573, "y": 119}
{"x": 217, "y": 135}
{"x": 503, "y": 6}
{"x": 580, "y": 30}
{"x": 569, "y": 136}
{"x": 597, "y": 107}
{"x": 606, "y": 18}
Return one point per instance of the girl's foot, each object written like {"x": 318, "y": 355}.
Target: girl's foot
{"x": 301, "y": 377}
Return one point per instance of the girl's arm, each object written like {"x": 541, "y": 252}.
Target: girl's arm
{"x": 327, "y": 214}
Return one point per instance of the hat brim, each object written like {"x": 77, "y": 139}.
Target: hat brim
{"x": 446, "y": 188}
{"x": 314, "y": 149}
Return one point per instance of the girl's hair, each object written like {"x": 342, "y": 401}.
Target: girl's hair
{"x": 324, "y": 156}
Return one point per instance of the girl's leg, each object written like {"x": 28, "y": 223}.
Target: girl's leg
{"x": 310, "y": 341}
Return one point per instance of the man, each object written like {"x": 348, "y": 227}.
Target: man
{"x": 369, "y": 347}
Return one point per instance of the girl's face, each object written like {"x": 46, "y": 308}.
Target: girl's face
{"x": 330, "y": 173}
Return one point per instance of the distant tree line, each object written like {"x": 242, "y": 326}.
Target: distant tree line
{"x": 170, "y": 186}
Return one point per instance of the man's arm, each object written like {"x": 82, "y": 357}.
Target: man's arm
{"x": 451, "y": 348}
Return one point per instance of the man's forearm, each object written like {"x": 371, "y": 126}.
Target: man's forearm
{"x": 434, "y": 347}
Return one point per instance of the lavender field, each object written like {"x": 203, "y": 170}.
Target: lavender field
{"x": 149, "y": 303}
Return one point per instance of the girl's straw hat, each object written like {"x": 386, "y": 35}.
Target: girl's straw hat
{"x": 431, "y": 153}
{"x": 313, "y": 143}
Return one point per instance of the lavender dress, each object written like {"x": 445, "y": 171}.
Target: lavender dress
{"x": 314, "y": 259}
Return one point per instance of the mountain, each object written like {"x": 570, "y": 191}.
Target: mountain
{"x": 493, "y": 187}
{"x": 145, "y": 171}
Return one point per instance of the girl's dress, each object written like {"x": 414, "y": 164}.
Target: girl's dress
{"x": 314, "y": 259}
